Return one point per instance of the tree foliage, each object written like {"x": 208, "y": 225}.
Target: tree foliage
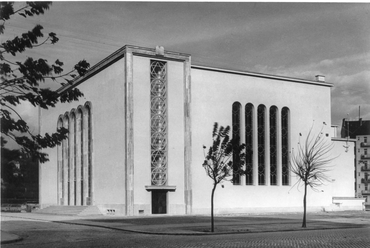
{"x": 310, "y": 163}
{"x": 26, "y": 81}
{"x": 218, "y": 163}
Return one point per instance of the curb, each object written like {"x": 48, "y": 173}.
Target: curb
{"x": 12, "y": 240}
{"x": 202, "y": 233}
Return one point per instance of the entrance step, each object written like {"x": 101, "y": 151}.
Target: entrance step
{"x": 70, "y": 210}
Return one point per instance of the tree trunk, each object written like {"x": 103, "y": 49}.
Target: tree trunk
{"x": 304, "y": 206}
{"x": 212, "y": 218}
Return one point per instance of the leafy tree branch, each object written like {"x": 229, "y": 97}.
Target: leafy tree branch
{"x": 28, "y": 81}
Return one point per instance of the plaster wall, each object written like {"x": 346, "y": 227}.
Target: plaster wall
{"x": 105, "y": 91}
{"x": 342, "y": 169}
{"x": 213, "y": 94}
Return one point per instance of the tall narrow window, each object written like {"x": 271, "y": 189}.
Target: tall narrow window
{"x": 72, "y": 134}
{"x": 285, "y": 145}
{"x": 249, "y": 144}
{"x": 75, "y": 173}
{"x": 66, "y": 166}
{"x": 89, "y": 162}
{"x": 236, "y": 108}
{"x": 60, "y": 166}
{"x": 158, "y": 109}
{"x": 273, "y": 145}
{"x": 81, "y": 147}
{"x": 261, "y": 144}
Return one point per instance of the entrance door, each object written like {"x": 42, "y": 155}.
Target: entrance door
{"x": 159, "y": 202}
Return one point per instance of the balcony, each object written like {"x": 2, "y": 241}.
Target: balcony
{"x": 367, "y": 156}
{"x": 365, "y": 181}
{"x": 365, "y": 192}
{"x": 363, "y": 144}
{"x": 365, "y": 168}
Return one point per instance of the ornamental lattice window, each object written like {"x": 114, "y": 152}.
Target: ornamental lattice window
{"x": 273, "y": 145}
{"x": 261, "y": 144}
{"x": 249, "y": 144}
{"x": 236, "y": 108}
{"x": 158, "y": 125}
{"x": 285, "y": 145}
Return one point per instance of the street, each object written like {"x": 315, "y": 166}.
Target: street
{"x": 50, "y": 234}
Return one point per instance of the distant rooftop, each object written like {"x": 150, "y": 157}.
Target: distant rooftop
{"x": 354, "y": 128}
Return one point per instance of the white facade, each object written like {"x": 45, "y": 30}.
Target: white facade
{"x": 132, "y": 175}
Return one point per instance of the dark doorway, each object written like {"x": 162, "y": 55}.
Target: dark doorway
{"x": 159, "y": 202}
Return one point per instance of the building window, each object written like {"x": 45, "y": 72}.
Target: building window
{"x": 75, "y": 158}
{"x": 365, "y": 139}
{"x": 285, "y": 145}
{"x": 158, "y": 126}
{"x": 261, "y": 144}
{"x": 273, "y": 145}
{"x": 365, "y": 151}
{"x": 236, "y": 108}
{"x": 249, "y": 144}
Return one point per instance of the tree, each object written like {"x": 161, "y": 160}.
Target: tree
{"x": 26, "y": 81}
{"x": 218, "y": 164}
{"x": 311, "y": 163}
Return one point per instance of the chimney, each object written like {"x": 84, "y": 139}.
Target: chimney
{"x": 320, "y": 78}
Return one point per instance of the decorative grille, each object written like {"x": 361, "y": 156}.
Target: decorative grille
{"x": 285, "y": 145}
{"x": 236, "y": 137}
{"x": 158, "y": 109}
{"x": 261, "y": 144}
{"x": 273, "y": 145}
{"x": 249, "y": 144}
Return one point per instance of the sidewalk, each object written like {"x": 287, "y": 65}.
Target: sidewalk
{"x": 200, "y": 224}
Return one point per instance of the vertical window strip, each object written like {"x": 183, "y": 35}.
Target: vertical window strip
{"x": 249, "y": 144}
{"x": 261, "y": 144}
{"x": 66, "y": 162}
{"x": 71, "y": 159}
{"x": 285, "y": 145}
{"x": 236, "y": 108}
{"x": 89, "y": 165}
{"x": 273, "y": 146}
{"x": 158, "y": 125}
{"x": 73, "y": 156}
{"x": 60, "y": 167}
{"x": 81, "y": 123}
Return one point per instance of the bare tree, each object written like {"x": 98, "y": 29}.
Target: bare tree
{"x": 311, "y": 163}
{"x": 218, "y": 164}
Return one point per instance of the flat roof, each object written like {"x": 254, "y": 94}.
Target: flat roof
{"x": 262, "y": 75}
{"x": 144, "y": 51}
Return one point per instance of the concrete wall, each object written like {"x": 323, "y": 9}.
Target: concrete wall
{"x": 106, "y": 93}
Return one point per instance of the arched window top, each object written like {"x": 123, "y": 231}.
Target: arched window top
{"x": 72, "y": 114}
{"x": 238, "y": 104}
{"x": 60, "y": 121}
{"x": 285, "y": 110}
{"x": 66, "y": 116}
{"x": 249, "y": 105}
{"x": 88, "y": 105}
{"x": 273, "y": 108}
{"x": 261, "y": 107}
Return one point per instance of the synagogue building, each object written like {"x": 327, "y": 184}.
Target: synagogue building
{"x": 135, "y": 142}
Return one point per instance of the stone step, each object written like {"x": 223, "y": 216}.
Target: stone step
{"x": 70, "y": 210}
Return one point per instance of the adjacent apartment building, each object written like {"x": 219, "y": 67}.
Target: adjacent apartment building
{"x": 360, "y": 131}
